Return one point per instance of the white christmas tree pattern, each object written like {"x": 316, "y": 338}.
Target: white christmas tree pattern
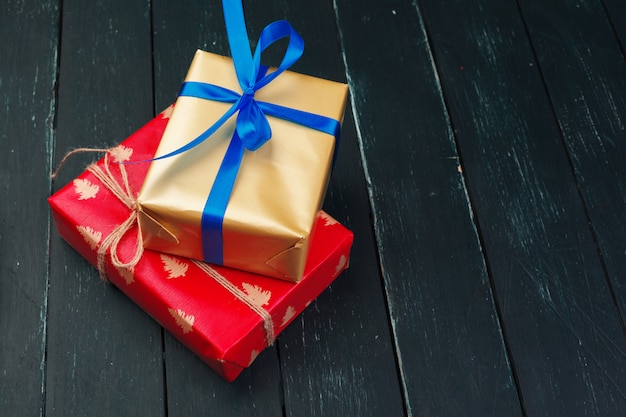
{"x": 183, "y": 320}
{"x": 174, "y": 267}
{"x": 328, "y": 221}
{"x": 127, "y": 274}
{"x": 91, "y": 236}
{"x": 342, "y": 263}
{"x": 258, "y": 295}
{"x": 253, "y": 356}
{"x": 121, "y": 153}
{"x": 85, "y": 189}
{"x": 167, "y": 113}
{"x": 289, "y": 313}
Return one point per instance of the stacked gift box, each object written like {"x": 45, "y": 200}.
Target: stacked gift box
{"x": 215, "y": 228}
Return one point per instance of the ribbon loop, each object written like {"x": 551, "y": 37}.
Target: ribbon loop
{"x": 271, "y": 33}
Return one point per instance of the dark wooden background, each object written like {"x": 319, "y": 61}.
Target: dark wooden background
{"x": 481, "y": 169}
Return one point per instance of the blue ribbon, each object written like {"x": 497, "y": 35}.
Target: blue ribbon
{"x": 252, "y": 128}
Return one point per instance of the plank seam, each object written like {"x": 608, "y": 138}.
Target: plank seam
{"x": 51, "y": 145}
{"x": 613, "y": 28}
{"x": 281, "y": 382}
{"x": 150, "y": 5}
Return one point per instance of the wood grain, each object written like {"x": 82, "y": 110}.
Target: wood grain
{"x": 450, "y": 350}
{"x": 28, "y": 68}
{"x": 338, "y": 358}
{"x": 591, "y": 116}
{"x": 557, "y": 309}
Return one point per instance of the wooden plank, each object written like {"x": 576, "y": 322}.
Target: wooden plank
{"x": 338, "y": 358}
{"x": 28, "y": 68}
{"x": 590, "y": 104}
{"x": 451, "y": 353}
{"x": 192, "y": 387}
{"x": 104, "y": 354}
{"x": 562, "y": 327}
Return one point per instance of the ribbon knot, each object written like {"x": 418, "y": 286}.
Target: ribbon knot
{"x": 253, "y": 128}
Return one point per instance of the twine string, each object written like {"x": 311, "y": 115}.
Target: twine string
{"x": 124, "y": 195}
{"x": 268, "y": 325}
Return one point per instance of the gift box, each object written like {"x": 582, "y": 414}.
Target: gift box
{"x": 278, "y": 187}
{"x": 225, "y": 316}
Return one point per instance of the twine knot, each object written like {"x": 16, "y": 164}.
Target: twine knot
{"x": 125, "y": 195}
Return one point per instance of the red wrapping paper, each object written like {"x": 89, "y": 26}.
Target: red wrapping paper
{"x": 190, "y": 303}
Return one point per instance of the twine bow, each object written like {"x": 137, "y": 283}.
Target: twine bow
{"x": 125, "y": 195}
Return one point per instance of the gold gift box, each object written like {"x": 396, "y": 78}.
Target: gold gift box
{"x": 279, "y": 188}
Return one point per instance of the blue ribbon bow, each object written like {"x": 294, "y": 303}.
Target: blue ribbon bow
{"x": 252, "y": 127}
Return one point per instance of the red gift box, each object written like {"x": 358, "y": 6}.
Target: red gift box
{"x": 225, "y": 316}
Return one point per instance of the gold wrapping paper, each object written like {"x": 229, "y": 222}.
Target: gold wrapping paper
{"x": 279, "y": 188}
